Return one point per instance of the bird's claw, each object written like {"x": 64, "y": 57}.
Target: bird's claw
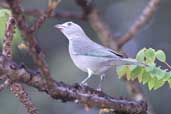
{"x": 99, "y": 89}
{"x": 84, "y": 84}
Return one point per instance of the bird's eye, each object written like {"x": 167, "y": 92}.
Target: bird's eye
{"x": 69, "y": 24}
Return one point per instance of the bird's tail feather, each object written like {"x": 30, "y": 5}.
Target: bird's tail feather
{"x": 130, "y": 61}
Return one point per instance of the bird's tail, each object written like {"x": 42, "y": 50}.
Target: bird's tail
{"x": 130, "y": 61}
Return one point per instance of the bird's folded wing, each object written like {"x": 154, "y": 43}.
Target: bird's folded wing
{"x": 96, "y": 50}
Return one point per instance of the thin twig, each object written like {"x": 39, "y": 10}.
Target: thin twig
{"x": 68, "y": 15}
{"x": 51, "y": 7}
{"x": 92, "y": 16}
{"x": 39, "y": 13}
{"x": 167, "y": 65}
{"x": 101, "y": 29}
{"x": 4, "y": 5}
{"x": 59, "y": 14}
{"x": 146, "y": 15}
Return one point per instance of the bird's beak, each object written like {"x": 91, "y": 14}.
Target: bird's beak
{"x": 59, "y": 27}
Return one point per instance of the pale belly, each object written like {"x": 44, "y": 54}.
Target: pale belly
{"x": 97, "y": 65}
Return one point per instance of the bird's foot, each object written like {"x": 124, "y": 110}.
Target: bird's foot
{"x": 83, "y": 84}
{"x": 99, "y": 89}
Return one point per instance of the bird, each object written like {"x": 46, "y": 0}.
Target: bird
{"x": 90, "y": 56}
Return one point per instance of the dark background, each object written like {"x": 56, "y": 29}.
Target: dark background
{"x": 119, "y": 16}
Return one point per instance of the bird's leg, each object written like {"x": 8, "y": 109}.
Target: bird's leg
{"x": 100, "y": 83}
{"x": 89, "y": 75}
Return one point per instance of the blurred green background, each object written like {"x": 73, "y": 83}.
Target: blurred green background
{"x": 119, "y": 16}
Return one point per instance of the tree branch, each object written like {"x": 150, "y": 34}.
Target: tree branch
{"x": 15, "y": 88}
{"x": 92, "y": 16}
{"x": 21, "y": 94}
{"x": 8, "y": 38}
{"x": 146, "y": 15}
{"x": 64, "y": 92}
{"x": 34, "y": 49}
{"x": 107, "y": 39}
{"x": 39, "y": 13}
{"x": 59, "y": 90}
{"x": 51, "y": 7}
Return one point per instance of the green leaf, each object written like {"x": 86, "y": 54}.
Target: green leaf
{"x": 128, "y": 74}
{"x": 169, "y": 81}
{"x": 140, "y": 75}
{"x": 158, "y": 73}
{"x": 149, "y": 68}
{"x": 150, "y": 55}
{"x": 135, "y": 72}
{"x": 145, "y": 77}
{"x": 121, "y": 70}
{"x": 152, "y": 74}
{"x": 4, "y": 15}
{"x": 161, "y": 56}
{"x": 5, "y": 12}
{"x": 158, "y": 84}
{"x": 151, "y": 83}
{"x": 167, "y": 76}
{"x": 140, "y": 55}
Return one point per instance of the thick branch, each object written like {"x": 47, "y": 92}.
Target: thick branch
{"x": 15, "y": 88}
{"x": 146, "y": 15}
{"x": 21, "y": 94}
{"x": 8, "y": 38}
{"x": 30, "y": 40}
{"x": 76, "y": 93}
{"x": 57, "y": 90}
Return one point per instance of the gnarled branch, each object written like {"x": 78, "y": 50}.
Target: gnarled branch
{"x": 34, "y": 49}
{"x": 15, "y": 88}
{"x": 64, "y": 92}
{"x": 146, "y": 15}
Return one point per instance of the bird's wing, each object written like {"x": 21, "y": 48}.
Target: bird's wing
{"x": 116, "y": 53}
{"x": 90, "y": 48}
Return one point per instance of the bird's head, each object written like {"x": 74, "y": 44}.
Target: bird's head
{"x": 70, "y": 29}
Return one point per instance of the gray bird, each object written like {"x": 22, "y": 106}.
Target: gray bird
{"x": 89, "y": 56}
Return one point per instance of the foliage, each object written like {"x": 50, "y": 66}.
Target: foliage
{"x": 4, "y": 15}
{"x": 152, "y": 75}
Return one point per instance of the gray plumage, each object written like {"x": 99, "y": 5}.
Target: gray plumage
{"x": 89, "y": 56}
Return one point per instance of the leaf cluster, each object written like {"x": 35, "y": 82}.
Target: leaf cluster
{"x": 152, "y": 75}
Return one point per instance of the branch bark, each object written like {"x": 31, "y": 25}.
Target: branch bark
{"x": 34, "y": 49}
{"x": 15, "y": 88}
{"x": 145, "y": 17}
{"x": 44, "y": 16}
{"x": 59, "y": 90}
{"x": 39, "y": 13}
{"x": 64, "y": 92}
